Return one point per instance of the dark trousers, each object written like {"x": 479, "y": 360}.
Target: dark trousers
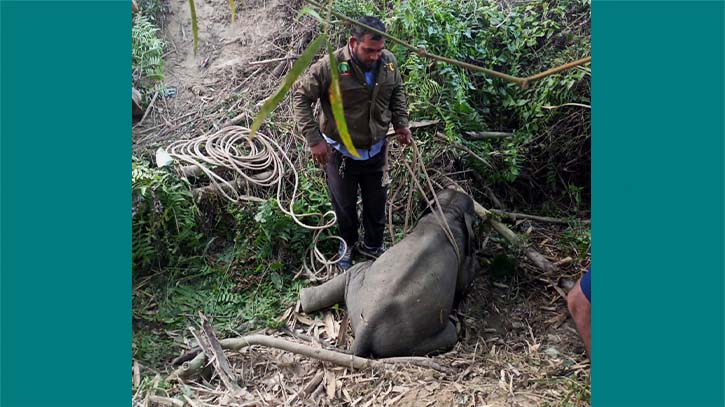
{"x": 344, "y": 176}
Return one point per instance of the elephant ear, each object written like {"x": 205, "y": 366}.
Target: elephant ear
{"x": 470, "y": 245}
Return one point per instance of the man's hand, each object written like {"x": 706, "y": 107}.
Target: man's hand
{"x": 319, "y": 152}
{"x": 404, "y": 136}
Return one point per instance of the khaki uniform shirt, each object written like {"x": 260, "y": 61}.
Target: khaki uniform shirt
{"x": 368, "y": 112}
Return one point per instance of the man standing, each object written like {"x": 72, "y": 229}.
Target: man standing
{"x": 372, "y": 95}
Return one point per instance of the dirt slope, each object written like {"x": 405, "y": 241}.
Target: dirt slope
{"x": 201, "y": 91}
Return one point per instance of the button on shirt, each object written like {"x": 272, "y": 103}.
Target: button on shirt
{"x": 365, "y": 154}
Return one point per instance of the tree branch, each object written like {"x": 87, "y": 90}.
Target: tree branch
{"x": 194, "y": 367}
{"x": 515, "y": 215}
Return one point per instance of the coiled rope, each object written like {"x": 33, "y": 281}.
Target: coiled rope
{"x": 262, "y": 162}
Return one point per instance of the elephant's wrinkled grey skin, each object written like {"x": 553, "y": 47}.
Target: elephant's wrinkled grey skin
{"x": 399, "y": 304}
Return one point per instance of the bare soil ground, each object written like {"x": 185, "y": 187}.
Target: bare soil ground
{"x": 517, "y": 347}
{"x": 221, "y": 80}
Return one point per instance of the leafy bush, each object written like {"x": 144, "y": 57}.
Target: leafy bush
{"x": 235, "y": 300}
{"x": 550, "y": 147}
{"x": 279, "y": 233}
{"x": 151, "y": 8}
{"x": 146, "y": 52}
{"x": 273, "y": 235}
{"x": 164, "y": 218}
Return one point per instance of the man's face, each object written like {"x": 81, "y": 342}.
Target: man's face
{"x": 368, "y": 50}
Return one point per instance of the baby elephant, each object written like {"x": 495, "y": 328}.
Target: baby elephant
{"x": 399, "y": 304}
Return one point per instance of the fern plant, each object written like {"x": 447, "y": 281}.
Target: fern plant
{"x": 164, "y": 218}
{"x": 146, "y": 51}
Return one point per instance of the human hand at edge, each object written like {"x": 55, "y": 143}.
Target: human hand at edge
{"x": 404, "y": 136}
{"x": 319, "y": 152}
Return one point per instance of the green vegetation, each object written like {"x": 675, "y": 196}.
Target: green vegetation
{"x": 235, "y": 262}
{"x": 164, "y": 219}
{"x": 549, "y": 152}
{"x": 239, "y": 298}
{"x": 146, "y": 53}
{"x": 152, "y": 9}
{"x": 577, "y": 239}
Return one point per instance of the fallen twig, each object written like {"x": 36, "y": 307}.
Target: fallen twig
{"x": 236, "y": 119}
{"x": 148, "y": 109}
{"x": 566, "y": 104}
{"x": 309, "y": 387}
{"x": 415, "y": 125}
{"x": 136, "y": 380}
{"x": 212, "y": 349}
{"x": 166, "y": 401}
{"x": 492, "y": 196}
{"x": 563, "y": 262}
{"x": 537, "y": 258}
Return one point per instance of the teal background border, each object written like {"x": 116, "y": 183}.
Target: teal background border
{"x": 65, "y": 202}
{"x": 657, "y": 189}
{"x": 658, "y": 220}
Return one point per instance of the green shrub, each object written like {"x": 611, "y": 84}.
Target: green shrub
{"x": 146, "y": 52}
{"x": 152, "y": 9}
{"x": 275, "y": 235}
{"x": 164, "y": 218}
{"x": 519, "y": 39}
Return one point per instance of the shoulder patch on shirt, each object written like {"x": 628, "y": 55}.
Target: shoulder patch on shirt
{"x": 391, "y": 66}
{"x": 344, "y": 68}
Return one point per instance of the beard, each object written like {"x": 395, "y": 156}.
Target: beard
{"x": 368, "y": 65}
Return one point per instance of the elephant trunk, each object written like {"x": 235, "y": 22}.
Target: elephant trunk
{"x": 323, "y": 296}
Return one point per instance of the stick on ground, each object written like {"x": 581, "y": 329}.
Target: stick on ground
{"x": 193, "y": 368}
{"x": 220, "y": 361}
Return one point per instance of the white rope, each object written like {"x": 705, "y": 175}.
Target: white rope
{"x": 231, "y": 148}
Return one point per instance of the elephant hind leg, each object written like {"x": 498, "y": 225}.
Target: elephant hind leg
{"x": 441, "y": 342}
{"x": 323, "y": 296}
